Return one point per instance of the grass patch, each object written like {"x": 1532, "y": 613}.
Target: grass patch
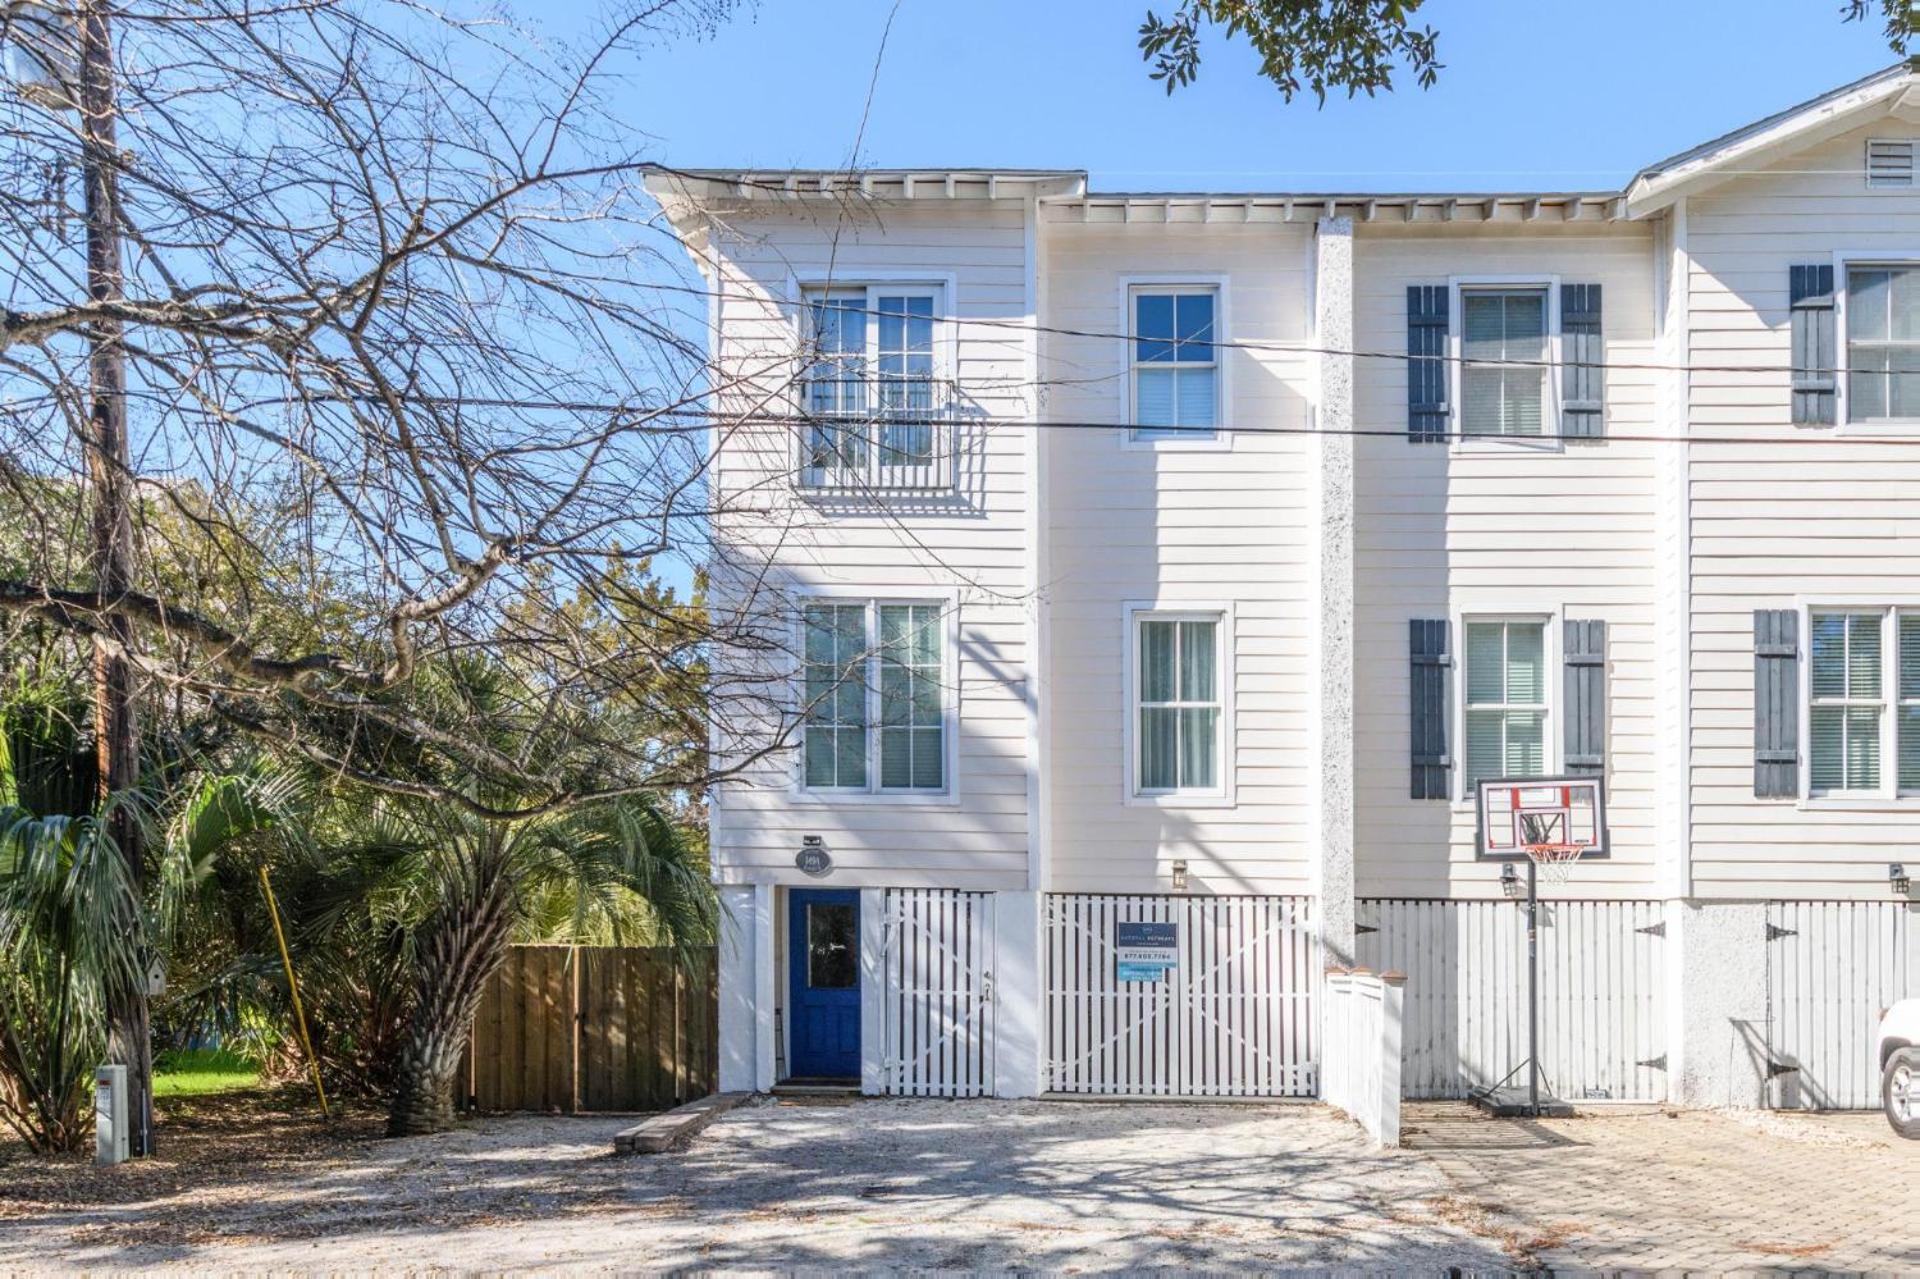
{"x": 192, "y": 1072}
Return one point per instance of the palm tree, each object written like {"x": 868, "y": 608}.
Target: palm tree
{"x": 626, "y": 867}
{"x": 71, "y": 921}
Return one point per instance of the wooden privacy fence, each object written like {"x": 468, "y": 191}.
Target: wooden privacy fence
{"x": 585, "y": 1028}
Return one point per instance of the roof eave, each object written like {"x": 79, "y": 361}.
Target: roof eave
{"x": 1659, "y": 187}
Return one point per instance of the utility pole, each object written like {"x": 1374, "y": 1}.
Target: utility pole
{"x": 116, "y": 722}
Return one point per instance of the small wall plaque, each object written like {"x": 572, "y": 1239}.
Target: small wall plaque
{"x": 813, "y": 859}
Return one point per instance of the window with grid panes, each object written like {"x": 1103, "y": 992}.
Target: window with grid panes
{"x": 1178, "y": 710}
{"x": 1506, "y": 699}
{"x": 875, "y": 684}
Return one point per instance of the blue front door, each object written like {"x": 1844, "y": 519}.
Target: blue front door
{"x": 823, "y": 960}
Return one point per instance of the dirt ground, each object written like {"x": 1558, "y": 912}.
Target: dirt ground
{"x": 974, "y": 1185}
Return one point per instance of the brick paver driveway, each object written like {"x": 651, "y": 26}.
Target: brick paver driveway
{"x": 889, "y": 1185}
{"x": 1686, "y": 1190}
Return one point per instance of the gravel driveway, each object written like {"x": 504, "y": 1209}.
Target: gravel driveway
{"x": 931, "y": 1184}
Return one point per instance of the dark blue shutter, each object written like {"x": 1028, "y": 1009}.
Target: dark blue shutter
{"x": 1584, "y": 683}
{"x": 1776, "y": 703}
{"x": 1426, "y": 363}
{"x": 1583, "y": 409}
{"x": 1815, "y": 356}
{"x": 1427, "y": 705}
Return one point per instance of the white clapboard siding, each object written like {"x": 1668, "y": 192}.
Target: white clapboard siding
{"x": 1441, "y": 530}
{"x": 1795, "y": 511}
{"x": 1832, "y": 967}
{"x": 1602, "y": 1002}
{"x": 776, "y": 541}
{"x": 938, "y": 960}
{"x": 1235, "y": 1018}
{"x": 1225, "y": 527}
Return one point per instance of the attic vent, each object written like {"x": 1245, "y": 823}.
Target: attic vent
{"x": 1889, "y": 164}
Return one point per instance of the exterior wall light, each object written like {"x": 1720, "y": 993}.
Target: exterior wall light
{"x": 1510, "y": 880}
{"x": 1180, "y": 876}
{"x": 1898, "y": 879}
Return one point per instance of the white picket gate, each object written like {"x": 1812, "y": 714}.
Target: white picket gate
{"x": 1831, "y": 968}
{"x": 1602, "y": 995}
{"x": 938, "y": 963}
{"x": 1234, "y": 1018}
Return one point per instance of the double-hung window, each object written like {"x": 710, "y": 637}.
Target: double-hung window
{"x": 875, "y": 686}
{"x": 1863, "y": 702}
{"x": 869, "y": 390}
{"x": 1174, "y": 362}
{"x": 1506, "y": 699}
{"x": 1883, "y": 342}
{"x": 1503, "y": 369}
{"x": 1846, "y": 702}
{"x": 1178, "y": 681}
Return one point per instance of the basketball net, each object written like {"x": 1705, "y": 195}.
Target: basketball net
{"x": 1554, "y": 862}
{"x": 1552, "y": 857}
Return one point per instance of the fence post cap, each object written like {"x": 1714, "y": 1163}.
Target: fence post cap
{"x": 1394, "y": 977}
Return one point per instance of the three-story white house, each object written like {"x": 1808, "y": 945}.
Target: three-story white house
{"x": 1159, "y": 573}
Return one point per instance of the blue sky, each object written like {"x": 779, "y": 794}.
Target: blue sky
{"x": 1536, "y": 94}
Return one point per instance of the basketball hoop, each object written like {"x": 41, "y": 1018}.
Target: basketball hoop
{"x": 1554, "y": 862}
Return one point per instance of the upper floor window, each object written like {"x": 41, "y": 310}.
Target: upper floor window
{"x": 869, "y": 389}
{"x": 1506, "y": 699}
{"x": 1174, "y": 362}
{"x": 1883, "y": 342}
{"x": 876, "y": 706}
{"x": 1178, "y": 704}
{"x": 1503, "y": 372}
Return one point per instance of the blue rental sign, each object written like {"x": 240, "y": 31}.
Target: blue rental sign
{"x": 1143, "y": 951}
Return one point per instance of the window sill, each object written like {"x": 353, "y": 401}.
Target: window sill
{"x": 862, "y": 799}
{"x": 1182, "y": 799}
{"x": 1891, "y": 427}
{"x": 1859, "y": 804}
{"x": 1218, "y": 442}
{"x": 1480, "y": 443}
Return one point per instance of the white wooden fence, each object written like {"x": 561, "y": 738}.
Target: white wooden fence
{"x": 1360, "y": 1050}
{"x": 1831, "y": 968}
{"x": 1602, "y": 994}
{"x": 938, "y": 962}
{"x": 1236, "y": 1017}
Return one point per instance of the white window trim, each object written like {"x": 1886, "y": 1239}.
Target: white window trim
{"x": 1843, "y": 261}
{"x": 941, "y": 286}
{"x": 871, "y": 794}
{"x": 1550, "y": 419}
{"x": 1553, "y": 745}
{"x": 1222, "y": 437}
{"x": 1887, "y": 795}
{"x": 1133, "y": 613}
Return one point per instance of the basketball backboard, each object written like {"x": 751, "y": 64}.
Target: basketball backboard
{"x": 1567, "y": 812}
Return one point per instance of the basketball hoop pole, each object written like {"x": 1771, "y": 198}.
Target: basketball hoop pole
{"x": 1533, "y": 987}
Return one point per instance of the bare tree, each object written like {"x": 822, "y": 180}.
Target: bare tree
{"x": 400, "y": 343}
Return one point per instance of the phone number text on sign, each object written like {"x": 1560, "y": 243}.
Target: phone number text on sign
{"x": 1144, "y": 951}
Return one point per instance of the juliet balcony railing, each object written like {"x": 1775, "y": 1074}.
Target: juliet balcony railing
{"x": 852, "y": 454}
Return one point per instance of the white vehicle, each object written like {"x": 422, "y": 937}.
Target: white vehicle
{"x": 1899, "y": 1046}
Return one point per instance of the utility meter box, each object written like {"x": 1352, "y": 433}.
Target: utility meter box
{"x": 110, "y": 1103}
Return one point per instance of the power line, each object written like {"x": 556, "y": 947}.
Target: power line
{"x": 1255, "y": 344}
{"x": 1389, "y": 433}
{"x": 700, "y": 420}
